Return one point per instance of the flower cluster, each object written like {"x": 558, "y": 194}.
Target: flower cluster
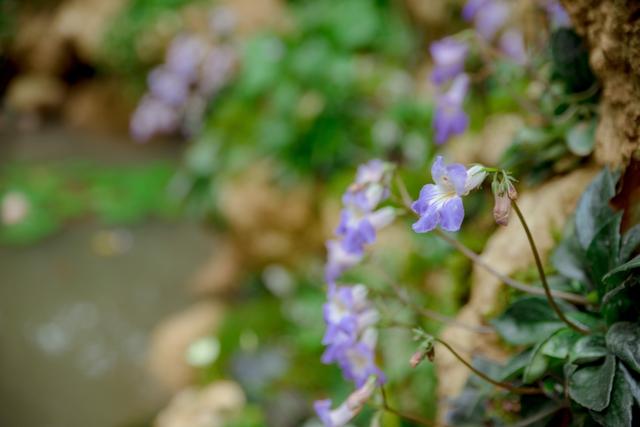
{"x": 194, "y": 71}
{"x": 350, "y": 318}
{"x": 360, "y": 218}
{"x": 440, "y": 204}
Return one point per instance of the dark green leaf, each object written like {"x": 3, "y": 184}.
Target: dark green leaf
{"x": 623, "y": 340}
{"x": 527, "y": 321}
{"x": 602, "y": 253}
{"x": 634, "y": 385}
{"x": 560, "y": 343}
{"x": 580, "y": 138}
{"x": 593, "y": 208}
{"x": 619, "y": 411}
{"x": 630, "y": 265}
{"x": 569, "y": 258}
{"x": 515, "y": 366}
{"x": 630, "y": 241}
{"x": 588, "y": 349}
{"x": 536, "y": 366}
{"x": 591, "y": 385}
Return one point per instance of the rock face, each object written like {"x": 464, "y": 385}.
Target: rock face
{"x": 612, "y": 31}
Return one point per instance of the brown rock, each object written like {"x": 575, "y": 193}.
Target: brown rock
{"x": 98, "y": 105}
{"x": 612, "y": 30}
{"x": 35, "y": 94}
{"x": 172, "y": 338}
{"x": 222, "y": 272}
{"x": 211, "y": 406}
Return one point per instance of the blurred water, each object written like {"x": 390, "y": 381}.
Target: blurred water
{"x": 75, "y": 318}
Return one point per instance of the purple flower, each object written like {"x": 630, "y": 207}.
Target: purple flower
{"x": 557, "y": 14}
{"x": 358, "y": 228}
{"x": 440, "y": 204}
{"x": 184, "y": 56}
{"x": 512, "y": 45}
{"x": 340, "y": 259}
{"x": 491, "y": 18}
{"x": 216, "y": 70}
{"x": 152, "y": 117}
{"x": 358, "y": 360}
{"x": 168, "y": 86}
{"x": 488, "y": 16}
{"x": 448, "y": 56}
{"x": 449, "y": 118}
{"x": 472, "y": 7}
{"x": 344, "y": 413}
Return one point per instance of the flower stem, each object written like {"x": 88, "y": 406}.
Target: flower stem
{"x": 506, "y": 386}
{"x": 574, "y": 298}
{"x": 543, "y": 276}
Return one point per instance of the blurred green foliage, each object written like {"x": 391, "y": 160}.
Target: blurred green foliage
{"x": 57, "y": 194}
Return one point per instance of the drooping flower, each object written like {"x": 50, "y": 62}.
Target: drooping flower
{"x": 450, "y": 118}
{"x": 448, "y": 56}
{"x": 346, "y": 411}
{"x": 512, "y": 45}
{"x": 440, "y": 204}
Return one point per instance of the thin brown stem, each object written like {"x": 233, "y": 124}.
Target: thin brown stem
{"x": 477, "y": 259}
{"x": 506, "y": 386}
{"x": 543, "y": 276}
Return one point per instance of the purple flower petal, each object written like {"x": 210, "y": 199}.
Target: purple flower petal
{"x": 452, "y": 214}
{"x": 428, "y": 221}
{"x": 457, "y": 176}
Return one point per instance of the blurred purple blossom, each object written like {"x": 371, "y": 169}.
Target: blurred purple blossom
{"x": 449, "y": 118}
{"x": 184, "y": 56}
{"x": 152, "y": 117}
{"x": 557, "y": 14}
{"x": 488, "y": 16}
{"x": 440, "y": 204}
{"x": 217, "y": 68}
{"x": 512, "y": 45}
{"x": 345, "y": 412}
{"x": 448, "y": 56}
{"x": 168, "y": 86}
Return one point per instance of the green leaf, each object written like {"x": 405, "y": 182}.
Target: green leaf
{"x": 591, "y": 385}
{"x": 593, "y": 208}
{"x": 588, "y": 349}
{"x": 619, "y": 412}
{"x": 630, "y": 265}
{"x": 569, "y": 257}
{"x": 602, "y": 254}
{"x": 515, "y": 366}
{"x": 527, "y": 321}
{"x": 634, "y": 385}
{"x": 560, "y": 343}
{"x": 580, "y": 138}
{"x": 557, "y": 345}
{"x": 630, "y": 241}
{"x": 623, "y": 340}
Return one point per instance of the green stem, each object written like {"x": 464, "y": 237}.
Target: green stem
{"x": 543, "y": 276}
{"x": 506, "y": 386}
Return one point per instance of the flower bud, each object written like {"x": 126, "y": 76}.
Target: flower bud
{"x": 420, "y": 355}
{"x": 502, "y": 208}
{"x": 511, "y": 192}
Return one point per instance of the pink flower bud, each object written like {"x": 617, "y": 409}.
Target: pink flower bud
{"x": 502, "y": 208}
{"x": 511, "y": 192}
